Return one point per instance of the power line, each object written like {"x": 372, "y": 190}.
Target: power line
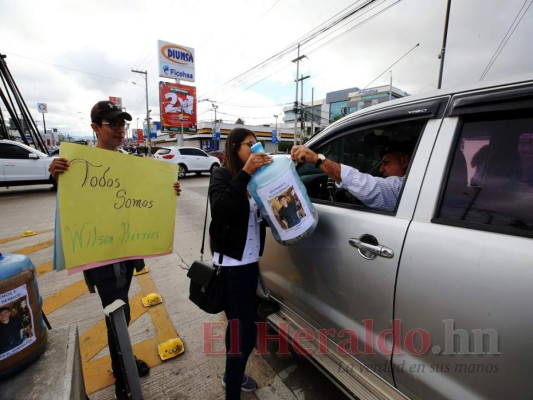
{"x": 505, "y": 39}
{"x": 68, "y": 68}
{"x": 388, "y": 68}
{"x": 303, "y": 40}
{"x": 254, "y": 71}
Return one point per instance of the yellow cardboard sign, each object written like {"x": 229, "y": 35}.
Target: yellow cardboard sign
{"x": 114, "y": 206}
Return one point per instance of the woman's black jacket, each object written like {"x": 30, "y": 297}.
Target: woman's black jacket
{"x": 230, "y": 210}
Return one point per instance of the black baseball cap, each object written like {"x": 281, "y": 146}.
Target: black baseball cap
{"x": 107, "y": 110}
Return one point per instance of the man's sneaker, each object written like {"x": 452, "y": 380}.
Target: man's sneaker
{"x": 142, "y": 368}
{"x": 248, "y": 383}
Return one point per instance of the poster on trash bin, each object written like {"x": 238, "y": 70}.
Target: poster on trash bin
{"x": 283, "y": 202}
{"x": 16, "y": 322}
{"x": 112, "y": 207}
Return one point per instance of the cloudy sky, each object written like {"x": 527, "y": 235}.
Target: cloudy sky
{"x": 71, "y": 54}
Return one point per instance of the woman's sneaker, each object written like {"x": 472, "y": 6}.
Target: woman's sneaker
{"x": 248, "y": 383}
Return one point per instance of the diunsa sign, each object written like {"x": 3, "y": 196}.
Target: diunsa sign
{"x": 175, "y": 61}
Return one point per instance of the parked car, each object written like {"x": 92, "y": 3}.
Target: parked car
{"x": 432, "y": 300}
{"x": 23, "y": 165}
{"x": 218, "y": 154}
{"x": 189, "y": 159}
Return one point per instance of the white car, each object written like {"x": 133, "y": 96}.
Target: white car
{"x": 189, "y": 159}
{"x": 23, "y": 165}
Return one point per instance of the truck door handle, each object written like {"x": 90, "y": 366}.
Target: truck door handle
{"x": 371, "y": 251}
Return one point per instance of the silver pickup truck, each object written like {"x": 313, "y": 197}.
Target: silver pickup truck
{"x": 433, "y": 300}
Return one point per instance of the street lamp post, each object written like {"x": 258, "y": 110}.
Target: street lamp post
{"x": 277, "y": 136}
{"x": 145, "y": 74}
{"x": 178, "y": 140}
{"x": 215, "y": 147}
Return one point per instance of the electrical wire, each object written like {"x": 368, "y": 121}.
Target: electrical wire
{"x": 505, "y": 39}
{"x": 325, "y": 26}
{"x": 388, "y": 68}
{"x": 320, "y": 28}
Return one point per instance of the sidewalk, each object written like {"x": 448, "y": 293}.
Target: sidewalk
{"x": 192, "y": 375}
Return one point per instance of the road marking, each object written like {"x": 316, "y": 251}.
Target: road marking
{"x": 44, "y": 268}
{"x": 95, "y": 339}
{"x": 97, "y": 372}
{"x": 13, "y": 238}
{"x": 36, "y": 247}
{"x": 64, "y": 296}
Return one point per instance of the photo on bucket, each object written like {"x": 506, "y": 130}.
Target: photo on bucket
{"x": 16, "y": 322}
{"x": 282, "y": 200}
{"x": 288, "y": 209}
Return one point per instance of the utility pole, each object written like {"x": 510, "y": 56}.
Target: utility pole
{"x": 145, "y": 74}
{"x": 312, "y": 110}
{"x": 297, "y": 61}
{"x": 302, "y": 113}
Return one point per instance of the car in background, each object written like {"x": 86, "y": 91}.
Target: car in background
{"x": 218, "y": 154}
{"x": 23, "y": 165}
{"x": 189, "y": 159}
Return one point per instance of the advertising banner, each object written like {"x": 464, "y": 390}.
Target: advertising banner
{"x": 178, "y": 107}
{"x": 128, "y": 205}
{"x": 175, "y": 61}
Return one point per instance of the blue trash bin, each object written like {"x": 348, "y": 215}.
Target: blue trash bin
{"x": 23, "y": 334}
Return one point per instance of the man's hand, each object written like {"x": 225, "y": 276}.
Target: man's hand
{"x": 301, "y": 154}
{"x": 58, "y": 166}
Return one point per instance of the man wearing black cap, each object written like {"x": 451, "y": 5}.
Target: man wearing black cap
{"x": 372, "y": 191}
{"x": 112, "y": 281}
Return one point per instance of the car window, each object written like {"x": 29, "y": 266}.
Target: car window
{"x": 162, "y": 151}
{"x": 490, "y": 180}
{"x": 197, "y": 152}
{"x": 186, "y": 152}
{"x": 13, "y": 152}
{"x": 360, "y": 149}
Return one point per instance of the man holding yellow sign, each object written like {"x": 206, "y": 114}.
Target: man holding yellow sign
{"x": 109, "y": 209}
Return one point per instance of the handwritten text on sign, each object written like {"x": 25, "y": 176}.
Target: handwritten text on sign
{"x": 114, "y": 206}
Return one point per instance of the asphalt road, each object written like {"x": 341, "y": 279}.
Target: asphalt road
{"x": 188, "y": 376}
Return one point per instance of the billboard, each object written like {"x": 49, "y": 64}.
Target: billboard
{"x": 175, "y": 61}
{"x": 178, "y": 107}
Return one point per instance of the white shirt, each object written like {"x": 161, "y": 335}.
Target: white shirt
{"x": 374, "y": 192}
{"x": 253, "y": 244}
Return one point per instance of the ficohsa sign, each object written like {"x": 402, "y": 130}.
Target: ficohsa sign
{"x": 176, "y": 62}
